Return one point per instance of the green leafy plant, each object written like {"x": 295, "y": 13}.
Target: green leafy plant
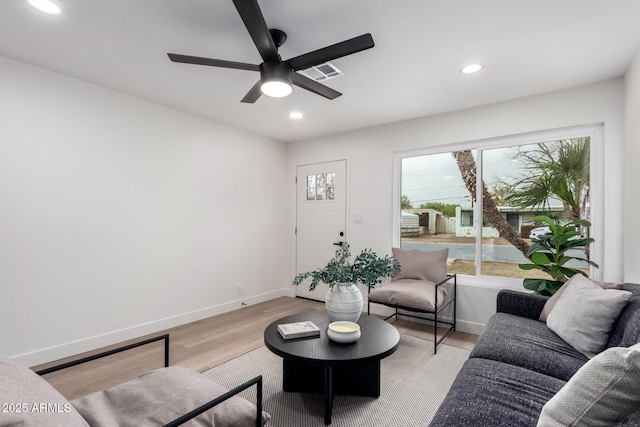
{"x": 549, "y": 254}
{"x": 367, "y": 268}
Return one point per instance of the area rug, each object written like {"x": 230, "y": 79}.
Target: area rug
{"x": 414, "y": 383}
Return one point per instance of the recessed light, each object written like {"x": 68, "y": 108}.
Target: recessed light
{"x": 45, "y": 6}
{"x": 295, "y": 115}
{"x": 472, "y": 69}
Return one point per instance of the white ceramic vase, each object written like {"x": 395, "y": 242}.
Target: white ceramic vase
{"x": 344, "y": 302}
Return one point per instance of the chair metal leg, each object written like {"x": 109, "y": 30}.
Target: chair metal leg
{"x": 435, "y": 331}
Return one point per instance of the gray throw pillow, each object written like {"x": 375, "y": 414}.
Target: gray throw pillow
{"x": 421, "y": 265}
{"x": 604, "y": 391}
{"x": 585, "y": 313}
{"x": 551, "y": 302}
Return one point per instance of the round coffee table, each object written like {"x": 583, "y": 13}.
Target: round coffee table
{"x": 319, "y": 365}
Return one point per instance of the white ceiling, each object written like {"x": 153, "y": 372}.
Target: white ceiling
{"x": 527, "y": 47}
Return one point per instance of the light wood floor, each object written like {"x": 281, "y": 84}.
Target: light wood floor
{"x": 203, "y": 344}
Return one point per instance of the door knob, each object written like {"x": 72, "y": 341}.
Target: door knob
{"x": 338, "y": 244}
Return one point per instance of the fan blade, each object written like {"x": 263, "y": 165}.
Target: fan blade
{"x": 313, "y": 86}
{"x": 185, "y": 59}
{"x": 253, "y": 94}
{"x": 335, "y": 51}
{"x": 254, "y": 21}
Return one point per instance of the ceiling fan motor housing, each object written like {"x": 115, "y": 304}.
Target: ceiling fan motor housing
{"x": 275, "y": 71}
{"x": 275, "y": 79}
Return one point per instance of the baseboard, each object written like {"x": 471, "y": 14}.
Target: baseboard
{"x": 462, "y": 325}
{"x": 73, "y": 348}
{"x": 469, "y": 327}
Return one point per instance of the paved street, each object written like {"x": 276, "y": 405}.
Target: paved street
{"x": 490, "y": 252}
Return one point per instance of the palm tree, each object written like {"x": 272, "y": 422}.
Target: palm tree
{"x": 559, "y": 171}
{"x": 467, "y": 166}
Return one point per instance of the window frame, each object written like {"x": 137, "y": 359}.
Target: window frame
{"x": 596, "y": 149}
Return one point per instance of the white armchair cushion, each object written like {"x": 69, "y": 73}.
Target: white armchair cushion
{"x": 416, "y": 294}
{"x": 28, "y": 400}
{"x": 160, "y": 397}
{"x": 421, "y": 265}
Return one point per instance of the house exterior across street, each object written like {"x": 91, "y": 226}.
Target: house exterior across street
{"x": 417, "y": 222}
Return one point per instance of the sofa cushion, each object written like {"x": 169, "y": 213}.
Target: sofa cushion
{"x": 30, "y": 401}
{"x": 490, "y": 393}
{"x": 520, "y": 303}
{"x": 585, "y": 314}
{"x": 416, "y": 294}
{"x": 160, "y": 397}
{"x": 527, "y": 343}
{"x": 626, "y": 331}
{"x": 421, "y": 265}
{"x": 605, "y": 391}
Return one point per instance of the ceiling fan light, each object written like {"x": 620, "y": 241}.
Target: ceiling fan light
{"x": 276, "y": 88}
{"x": 45, "y": 6}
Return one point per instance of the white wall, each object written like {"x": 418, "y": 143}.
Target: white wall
{"x": 119, "y": 217}
{"x": 370, "y": 154}
{"x": 632, "y": 173}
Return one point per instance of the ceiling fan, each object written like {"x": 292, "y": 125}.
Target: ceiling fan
{"x": 276, "y": 75}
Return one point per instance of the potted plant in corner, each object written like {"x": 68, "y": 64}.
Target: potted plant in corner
{"x": 549, "y": 253}
{"x": 344, "y": 299}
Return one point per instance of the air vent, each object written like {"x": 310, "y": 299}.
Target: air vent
{"x": 321, "y": 72}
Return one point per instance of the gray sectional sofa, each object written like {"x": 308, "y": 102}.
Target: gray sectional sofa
{"x": 519, "y": 364}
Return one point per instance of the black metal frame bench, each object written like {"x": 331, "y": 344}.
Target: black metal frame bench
{"x": 450, "y": 298}
{"x": 257, "y": 381}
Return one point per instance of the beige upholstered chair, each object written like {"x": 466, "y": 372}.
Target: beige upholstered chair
{"x": 421, "y": 286}
{"x": 169, "y": 396}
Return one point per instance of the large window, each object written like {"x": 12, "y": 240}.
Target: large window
{"x": 480, "y": 202}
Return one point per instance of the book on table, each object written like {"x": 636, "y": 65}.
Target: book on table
{"x": 298, "y": 330}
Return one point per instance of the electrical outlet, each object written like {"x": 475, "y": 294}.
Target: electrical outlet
{"x": 239, "y": 289}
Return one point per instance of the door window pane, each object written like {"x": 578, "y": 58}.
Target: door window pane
{"x": 321, "y": 186}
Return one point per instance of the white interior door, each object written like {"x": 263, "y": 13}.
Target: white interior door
{"x": 321, "y": 218}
